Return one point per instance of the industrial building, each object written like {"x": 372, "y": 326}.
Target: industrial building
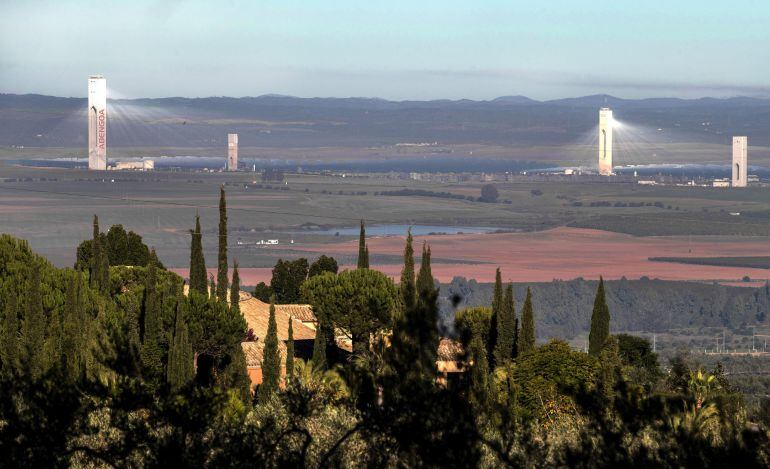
{"x": 605, "y": 141}
{"x": 97, "y": 123}
{"x": 144, "y": 165}
{"x": 740, "y": 161}
{"x": 232, "y": 152}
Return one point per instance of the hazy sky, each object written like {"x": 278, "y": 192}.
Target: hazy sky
{"x": 392, "y": 49}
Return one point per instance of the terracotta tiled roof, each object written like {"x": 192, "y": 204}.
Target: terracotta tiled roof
{"x": 253, "y": 352}
{"x": 302, "y": 312}
{"x": 257, "y": 314}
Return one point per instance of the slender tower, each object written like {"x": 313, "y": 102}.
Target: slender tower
{"x": 232, "y": 152}
{"x": 605, "y": 141}
{"x": 97, "y": 122}
{"x": 740, "y": 161}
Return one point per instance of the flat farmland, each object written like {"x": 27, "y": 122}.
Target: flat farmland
{"x": 546, "y": 226}
{"x": 561, "y": 253}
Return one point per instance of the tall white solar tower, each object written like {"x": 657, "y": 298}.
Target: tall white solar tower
{"x": 97, "y": 122}
{"x": 740, "y": 161}
{"x": 605, "y": 141}
{"x": 232, "y": 152}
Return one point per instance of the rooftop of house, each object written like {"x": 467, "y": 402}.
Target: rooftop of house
{"x": 257, "y": 315}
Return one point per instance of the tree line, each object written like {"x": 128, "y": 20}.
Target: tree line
{"x": 116, "y": 365}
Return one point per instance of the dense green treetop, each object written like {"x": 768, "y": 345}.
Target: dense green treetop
{"x": 323, "y": 264}
{"x": 122, "y": 248}
{"x": 287, "y": 279}
{"x": 360, "y": 302}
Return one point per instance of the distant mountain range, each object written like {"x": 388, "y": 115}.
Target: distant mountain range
{"x": 285, "y": 121}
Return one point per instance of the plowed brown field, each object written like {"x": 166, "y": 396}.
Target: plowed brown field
{"x": 561, "y": 253}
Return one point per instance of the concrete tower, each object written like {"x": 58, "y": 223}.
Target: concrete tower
{"x": 232, "y": 152}
{"x": 97, "y": 122}
{"x": 605, "y": 141}
{"x": 740, "y": 161}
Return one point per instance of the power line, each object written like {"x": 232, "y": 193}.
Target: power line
{"x": 179, "y": 204}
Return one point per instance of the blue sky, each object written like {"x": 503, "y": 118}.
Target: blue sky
{"x": 391, "y": 49}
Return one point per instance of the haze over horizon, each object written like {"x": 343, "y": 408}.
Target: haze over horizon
{"x": 394, "y": 51}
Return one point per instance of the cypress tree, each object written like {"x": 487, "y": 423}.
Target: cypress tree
{"x": 100, "y": 266}
{"x": 95, "y": 255}
{"x": 151, "y": 353}
{"x": 415, "y": 339}
{"x": 290, "y": 352}
{"x": 506, "y": 329}
{"x": 271, "y": 359}
{"x": 33, "y": 327}
{"x": 53, "y": 340}
{"x": 425, "y": 277}
{"x": 526, "y": 342}
{"x": 212, "y": 286}
{"x": 180, "y": 369}
{"x": 319, "y": 347}
{"x": 104, "y": 273}
{"x": 236, "y": 374}
{"x": 516, "y": 332}
{"x": 363, "y": 251}
{"x": 497, "y": 305}
{"x": 407, "y": 286}
{"x": 235, "y": 290}
{"x": 9, "y": 339}
{"x": 600, "y": 322}
{"x": 479, "y": 394}
{"x": 198, "y": 276}
{"x": 72, "y": 329}
{"x": 222, "y": 255}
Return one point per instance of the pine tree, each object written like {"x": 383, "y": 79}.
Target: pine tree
{"x": 198, "y": 277}
{"x": 180, "y": 369}
{"x": 526, "y": 342}
{"x": 290, "y": 352}
{"x": 235, "y": 290}
{"x": 506, "y": 329}
{"x": 9, "y": 339}
{"x": 33, "y": 327}
{"x": 407, "y": 286}
{"x": 151, "y": 352}
{"x": 222, "y": 256}
{"x": 271, "y": 359}
{"x": 600, "y": 322}
{"x": 497, "y": 305}
{"x": 363, "y": 251}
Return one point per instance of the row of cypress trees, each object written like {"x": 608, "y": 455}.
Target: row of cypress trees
{"x": 507, "y": 337}
{"x": 219, "y": 291}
